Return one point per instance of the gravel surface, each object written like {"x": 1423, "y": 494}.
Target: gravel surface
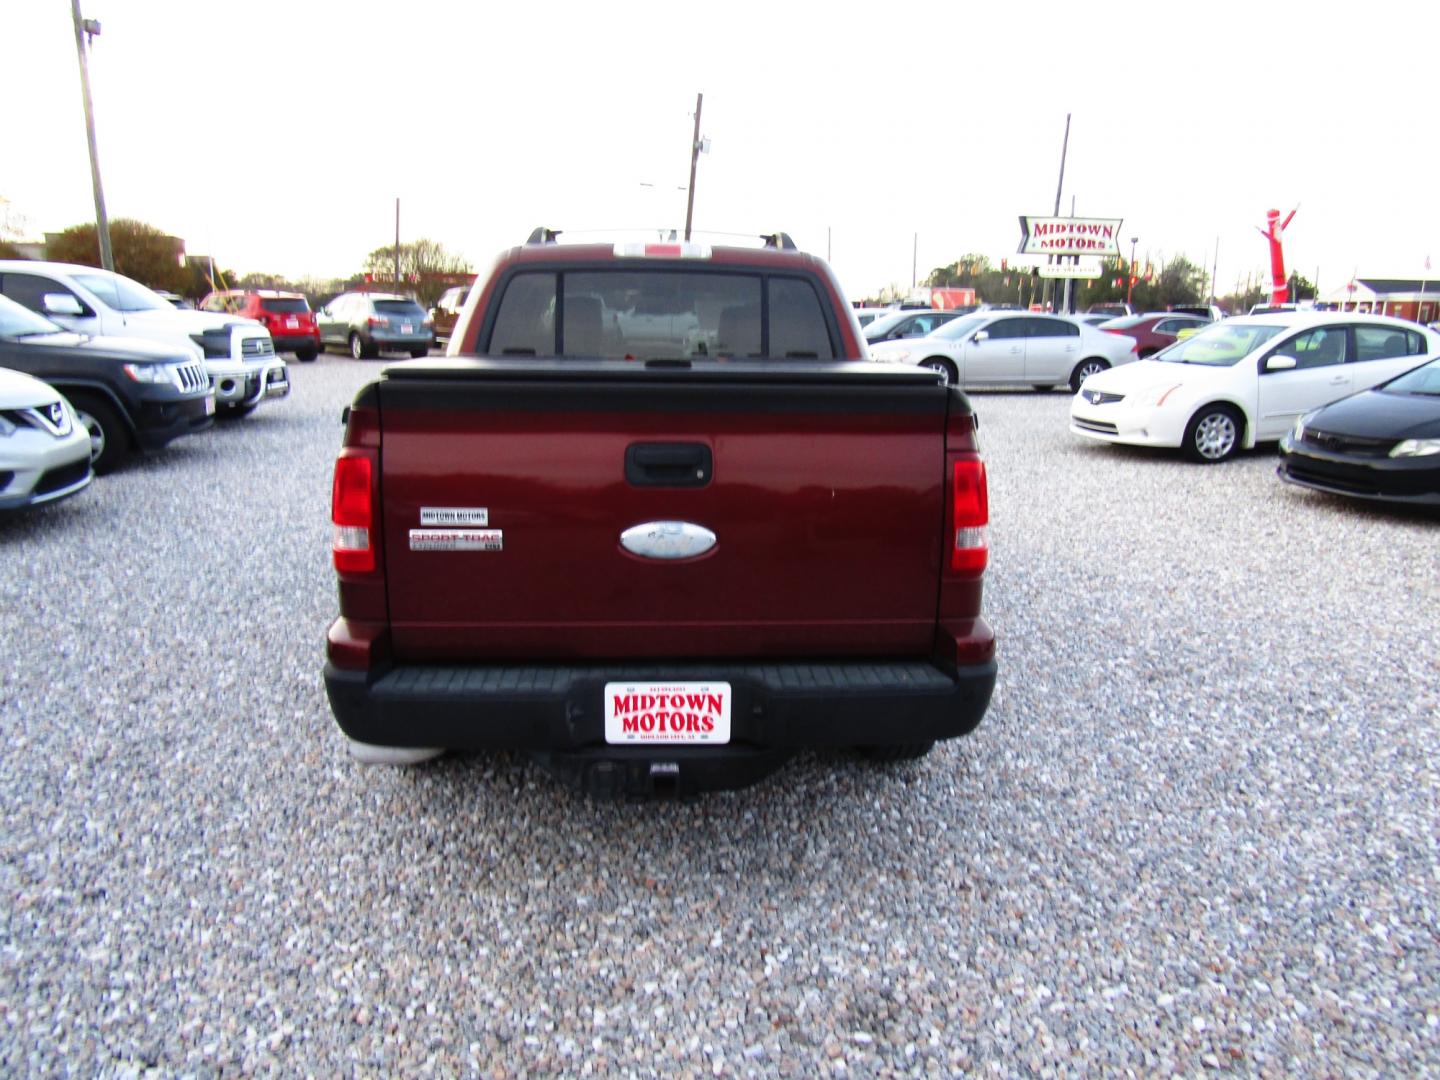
{"x": 1197, "y": 830}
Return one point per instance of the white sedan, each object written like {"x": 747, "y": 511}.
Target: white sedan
{"x": 1009, "y": 348}
{"x": 44, "y": 449}
{"x": 1246, "y": 380}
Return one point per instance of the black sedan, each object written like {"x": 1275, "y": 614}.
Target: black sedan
{"x": 1381, "y": 444}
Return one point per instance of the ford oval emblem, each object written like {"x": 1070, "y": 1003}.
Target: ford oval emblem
{"x": 667, "y": 540}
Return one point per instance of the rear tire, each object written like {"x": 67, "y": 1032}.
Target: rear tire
{"x": 416, "y": 354}
{"x": 1083, "y": 370}
{"x": 305, "y": 356}
{"x": 359, "y": 350}
{"x": 944, "y": 366}
{"x": 109, "y": 437}
{"x": 1213, "y": 434}
{"x": 897, "y": 751}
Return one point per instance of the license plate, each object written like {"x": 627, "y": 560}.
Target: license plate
{"x": 292, "y": 324}
{"x": 209, "y": 404}
{"x": 407, "y": 328}
{"x": 650, "y": 713}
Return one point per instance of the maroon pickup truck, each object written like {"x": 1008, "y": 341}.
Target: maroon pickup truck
{"x": 657, "y": 521}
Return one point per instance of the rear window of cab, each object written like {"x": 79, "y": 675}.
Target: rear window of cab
{"x": 660, "y": 314}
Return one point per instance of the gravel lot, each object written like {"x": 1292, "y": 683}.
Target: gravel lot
{"x": 1197, "y": 830}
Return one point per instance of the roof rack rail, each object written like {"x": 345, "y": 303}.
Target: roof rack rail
{"x": 542, "y": 235}
{"x": 779, "y": 240}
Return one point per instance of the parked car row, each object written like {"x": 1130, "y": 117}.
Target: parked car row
{"x": 238, "y": 354}
{"x": 1352, "y": 399}
{"x": 94, "y": 365}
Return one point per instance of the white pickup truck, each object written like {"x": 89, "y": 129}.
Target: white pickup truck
{"x": 239, "y": 354}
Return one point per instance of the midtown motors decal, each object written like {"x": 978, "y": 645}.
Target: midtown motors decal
{"x": 682, "y": 712}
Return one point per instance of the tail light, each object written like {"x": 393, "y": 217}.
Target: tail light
{"x": 970, "y": 517}
{"x": 377, "y": 320}
{"x": 352, "y": 509}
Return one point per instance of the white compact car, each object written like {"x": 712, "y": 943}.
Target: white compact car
{"x": 239, "y": 354}
{"x": 1246, "y": 380}
{"x": 1012, "y": 348}
{"x": 44, "y": 449}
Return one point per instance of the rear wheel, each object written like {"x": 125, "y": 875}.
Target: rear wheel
{"x": 307, "y": 355}
{"x": 359, "y": 350}
{"x": 1083, "y": 370}
{"x": 944, "y": 366}
{"x": 109, "y": 438}
{"x": 1213, "y": 434}
{"x": 418, "y": 353}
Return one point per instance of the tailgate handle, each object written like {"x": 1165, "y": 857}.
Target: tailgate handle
{"x": 668, "y": 464}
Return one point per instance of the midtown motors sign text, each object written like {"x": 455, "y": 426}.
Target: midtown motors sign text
{"x": 1069, "y": 236}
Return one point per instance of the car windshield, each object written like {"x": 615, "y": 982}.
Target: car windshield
{"x": 398, "y": 307}
{"x": 1218, "y": 345}
{"x": 883, "y": 324}
{"x": 122, "y": 294}
{"x": 1422, "y": 380}
{"x": 956, "y": 329}
{"x": 17, "y": 321}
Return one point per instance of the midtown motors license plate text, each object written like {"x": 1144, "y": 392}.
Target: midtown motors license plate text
{"x": 680, "y": 712}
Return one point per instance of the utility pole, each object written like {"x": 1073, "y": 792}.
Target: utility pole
{"x": 694, "y": 158}
{"x": 1064, "y": 150}
{"x": 1215, "y": 272}
{"x": 84, "y": 30}
{"x": 397, "y": 243}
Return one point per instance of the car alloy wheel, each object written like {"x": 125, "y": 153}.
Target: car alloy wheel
{"x": 1084, "y": 370}
{"x": 357, "y": 347}
{"x": 1213, "y": 435}
{"x": 948, "y": 376}
{"x": 108, "y": 441}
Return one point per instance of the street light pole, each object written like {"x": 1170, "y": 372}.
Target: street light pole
{"x": 88, "y": 28}
{"x": 694, "y": 157}
{"x": 1130, "y": 282}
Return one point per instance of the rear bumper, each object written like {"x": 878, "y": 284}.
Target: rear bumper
{"x": 556, "y": 712}
{"x": 295, "y": 342}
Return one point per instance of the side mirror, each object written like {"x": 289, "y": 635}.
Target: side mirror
{"x": 61, "y": 304}
{"x": 1280, "y": 362}
{"x": 980, "y": 335}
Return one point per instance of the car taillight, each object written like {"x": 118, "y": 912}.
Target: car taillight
{"x": 352, "y": 509}
{"x": 377, "y": 320}
{"x": 970, "y": 514}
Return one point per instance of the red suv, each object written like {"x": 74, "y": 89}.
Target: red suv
{"x": 286, "y": 315}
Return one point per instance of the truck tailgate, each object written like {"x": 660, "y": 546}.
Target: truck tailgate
{"x": 506, "y": 486}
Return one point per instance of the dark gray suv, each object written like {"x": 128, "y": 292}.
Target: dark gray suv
{"x": 367, "y": 324}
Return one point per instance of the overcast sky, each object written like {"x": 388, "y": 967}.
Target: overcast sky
{"x": 277, "y": 135}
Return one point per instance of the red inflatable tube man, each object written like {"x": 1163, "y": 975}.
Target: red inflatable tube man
{"x": 1279, "y": 286}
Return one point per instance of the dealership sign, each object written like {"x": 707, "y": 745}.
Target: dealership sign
{"x": 1069, "y": 236}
